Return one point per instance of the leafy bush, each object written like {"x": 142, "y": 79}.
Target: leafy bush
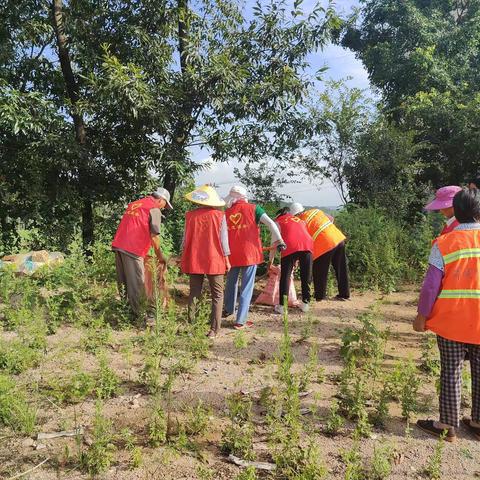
{"x": 383, "y": 252}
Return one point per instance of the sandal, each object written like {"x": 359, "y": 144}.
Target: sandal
{"x": 429, "y": 427}
{"x": 475, "y": 431}
{"x": 212, "y": 334}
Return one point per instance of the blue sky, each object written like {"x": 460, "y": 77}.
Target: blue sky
{"x": 341, "y": 64}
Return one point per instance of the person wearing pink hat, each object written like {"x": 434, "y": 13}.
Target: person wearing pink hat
{"x": 443, "y": 202}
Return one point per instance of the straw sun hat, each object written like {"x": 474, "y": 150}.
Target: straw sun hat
{"x": 205, "y": 195}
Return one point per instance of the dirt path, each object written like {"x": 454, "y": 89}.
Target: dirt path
{"x": 232, "y": 368}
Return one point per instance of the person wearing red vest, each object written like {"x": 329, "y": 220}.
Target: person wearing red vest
{"x": 449, "y": 306}
{"x": 299, "y": 247}
{"x": 328, "y": 249}
{"x": 139, "y": 230}
{"x": 443, "y": 203}
{"x": 205, "y": 251}
{"x": 246, "y": 252}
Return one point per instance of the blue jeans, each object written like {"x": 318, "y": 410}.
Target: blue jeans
{"x": 246, "y": 291}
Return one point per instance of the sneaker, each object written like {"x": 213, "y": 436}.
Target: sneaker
{"x": 429, "y": 427}
{"x": 278, "y": 309}
{"x": 304, "y": 307}
{"x": 241, "y": 326}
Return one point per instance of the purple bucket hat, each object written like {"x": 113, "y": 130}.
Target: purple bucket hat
{"x": 443, "y": 198}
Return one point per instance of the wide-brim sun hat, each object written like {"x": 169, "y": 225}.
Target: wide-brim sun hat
{"x": 205, "y": 195}
{"x": 443, "y": 198}
{"x": 295, "y": 208}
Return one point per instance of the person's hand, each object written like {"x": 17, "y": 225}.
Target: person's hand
{"x": 227, "y": 264}
{"x": 419, "y": 323}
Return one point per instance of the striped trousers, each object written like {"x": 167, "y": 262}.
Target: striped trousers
{"x": 452, "y": 356}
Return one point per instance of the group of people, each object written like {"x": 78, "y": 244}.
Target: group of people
{"x": 218, "y": 242}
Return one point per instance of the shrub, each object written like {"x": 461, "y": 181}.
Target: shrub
{"x": 383, "y": 252}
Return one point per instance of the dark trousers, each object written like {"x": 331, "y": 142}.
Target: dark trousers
{"x": 452, "y": 355}
{"x": 287, "y": 263}
{"x": 338, "y": 258}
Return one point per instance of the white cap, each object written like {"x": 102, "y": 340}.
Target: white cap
{"x": 237, "y": 192}
{"x": 295, "y": 208}
{"x": 161, "y": 192}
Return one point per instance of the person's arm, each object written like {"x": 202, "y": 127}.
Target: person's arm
{"x": 276, "y": 236}
{"x": 155, "y": 221}
{"x": 224, "y": 241}
{"x": 431, "y": 287}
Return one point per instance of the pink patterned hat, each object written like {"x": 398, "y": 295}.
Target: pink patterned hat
{"x": 443, "y": 198}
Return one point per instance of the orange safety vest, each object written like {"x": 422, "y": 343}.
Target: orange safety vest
{"x": 133, "y": 233}
{"x": 456, "y": 312}
{"x": 202, "y": 247}
{"x": 326, "y": 236}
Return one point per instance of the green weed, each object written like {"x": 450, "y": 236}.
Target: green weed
{"x": 107, "y": 380}
{"x": 158, "y": 426}
{"x": 433, "y": 469}
{"x": 334, "y": 420}
{"x": 240, "y": 341}
{"x": 248, "y": 474}
{"x": 99, "y": 456}
{"x": 14, "y": 409}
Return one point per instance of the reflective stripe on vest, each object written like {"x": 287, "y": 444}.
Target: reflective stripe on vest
{"x": 321, "y": 229}
{"x": 459, "y": 254}
{"x": 459, "y": 294}
{"x": 456, "y": 312}
{"x": 325, "y": 235}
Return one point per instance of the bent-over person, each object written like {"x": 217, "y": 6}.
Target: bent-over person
{"x": 139, "y": 230}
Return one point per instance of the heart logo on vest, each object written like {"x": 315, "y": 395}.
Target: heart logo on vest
{"x": 236, "y": 218}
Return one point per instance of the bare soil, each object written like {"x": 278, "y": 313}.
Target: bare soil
{"x": 227, "y": 370}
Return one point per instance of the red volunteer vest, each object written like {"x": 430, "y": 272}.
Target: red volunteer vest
{"x": 243, "y": 235}
{"x": 133, "y": 233}
{"x": 202, "y": 248}
{"x": 456, "y": 312}
{"x": 295, "y": 234}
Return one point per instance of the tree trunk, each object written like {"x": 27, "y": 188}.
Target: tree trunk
{"x": 78, "y": 122}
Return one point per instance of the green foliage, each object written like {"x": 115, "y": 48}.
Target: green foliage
{"x": 240, "y": 341}
{"x": 379, "y": 467}
{"x": 14, "y": 409}
{"x": 248, "y": 474}
{"x": 433, "y": 469}
{"x": 404, "y": 383}
{"x": 99, "y": 456}
{"x": 237, "y": 438}
{"x": 421, "y": 57}
{"x": 157, "y": 428}
{"x": 198, "y": 418}
{"x": 382, "y": 252}
{"x": 107, "y": 382}
{"x": 430, "y": 361}
{"x": 73, "y": 389}
{"x": 334, "y": 421}
{"x": 367, "y": 343}
{"x": 16, "y": 357}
